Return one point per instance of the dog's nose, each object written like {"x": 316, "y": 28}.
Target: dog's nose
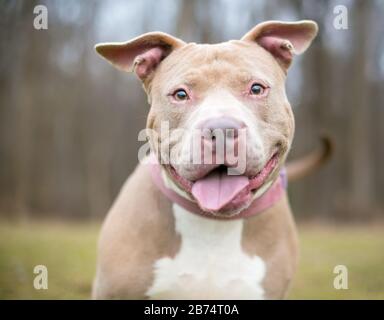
{"x": 225, "y": 126}
{"x": 221, "y": 137}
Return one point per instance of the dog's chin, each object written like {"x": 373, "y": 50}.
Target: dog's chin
{"x": 226, "y": 196}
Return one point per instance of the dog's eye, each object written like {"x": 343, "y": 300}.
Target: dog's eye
{"x": 180, "y": 95}
{"x": 257, "y": 89}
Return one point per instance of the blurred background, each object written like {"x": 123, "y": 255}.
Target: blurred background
{"x": 69, "y": 121}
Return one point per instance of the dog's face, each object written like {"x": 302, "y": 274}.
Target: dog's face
{"x": 230, "y": 123}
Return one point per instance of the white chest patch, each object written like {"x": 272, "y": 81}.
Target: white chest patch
{"x": 210, "y": 263}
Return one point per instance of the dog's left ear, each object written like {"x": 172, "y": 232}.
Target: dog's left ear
{"x": 283, "y": 39}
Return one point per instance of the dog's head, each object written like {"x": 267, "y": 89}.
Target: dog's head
{"x": 230, "y": 123}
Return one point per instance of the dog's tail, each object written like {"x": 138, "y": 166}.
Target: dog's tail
{"x": 299, "y": 168}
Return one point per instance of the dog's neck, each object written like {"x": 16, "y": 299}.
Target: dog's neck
{"x": 264, "y": 198}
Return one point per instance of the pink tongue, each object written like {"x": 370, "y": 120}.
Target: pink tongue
{"x": 218, "y": 189}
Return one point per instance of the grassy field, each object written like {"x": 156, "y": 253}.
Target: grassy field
{"x": 69, "y": 253}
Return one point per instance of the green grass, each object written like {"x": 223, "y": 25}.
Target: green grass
{"x": 69, "y": 252}
{"x": 359, "y": 248}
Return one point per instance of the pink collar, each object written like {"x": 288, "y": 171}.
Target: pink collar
{"x": 265, "y": 201}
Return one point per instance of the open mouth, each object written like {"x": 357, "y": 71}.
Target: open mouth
{"x": 219, "y": 192}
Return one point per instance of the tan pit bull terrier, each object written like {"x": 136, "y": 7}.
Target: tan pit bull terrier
{"x": 182, "y": 229}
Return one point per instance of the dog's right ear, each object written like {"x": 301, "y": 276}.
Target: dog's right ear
{"x": 142, "y": 54}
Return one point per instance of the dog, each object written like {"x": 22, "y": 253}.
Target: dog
{"x": 186, "y": 230}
